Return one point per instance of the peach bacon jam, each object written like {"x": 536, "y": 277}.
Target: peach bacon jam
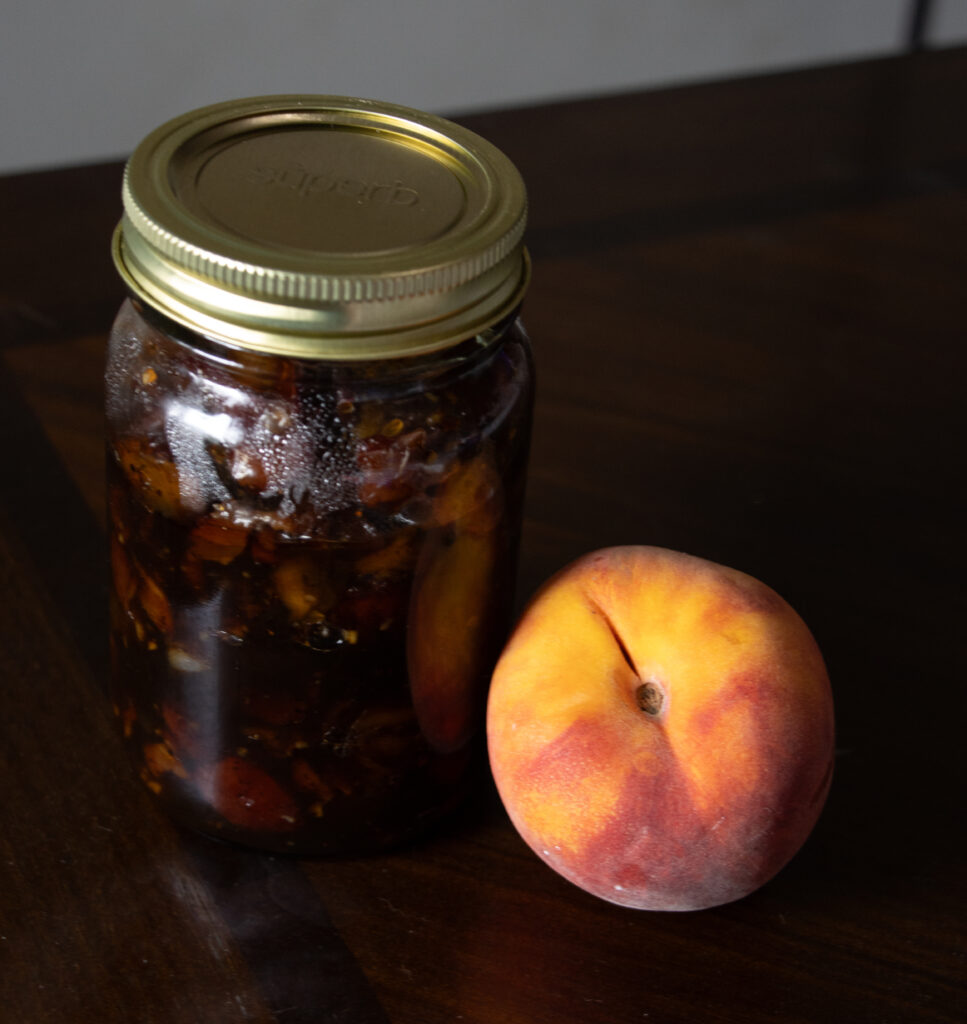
{"x": 318, "y": 398}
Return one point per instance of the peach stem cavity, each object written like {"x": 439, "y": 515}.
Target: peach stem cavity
{"x": 650, "y": 698}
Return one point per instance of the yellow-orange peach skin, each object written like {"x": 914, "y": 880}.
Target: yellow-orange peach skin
{"x": 660, "y": 729}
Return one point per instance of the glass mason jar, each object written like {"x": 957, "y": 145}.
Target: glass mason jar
{"x": 319, "y": 397}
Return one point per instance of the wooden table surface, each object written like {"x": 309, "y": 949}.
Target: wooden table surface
{"x": 749, "y": 311}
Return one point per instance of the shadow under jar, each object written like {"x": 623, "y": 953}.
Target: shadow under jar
{"x": 319, "y": 399}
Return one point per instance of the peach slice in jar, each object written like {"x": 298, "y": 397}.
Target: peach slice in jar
{"x": 449, "y": 634}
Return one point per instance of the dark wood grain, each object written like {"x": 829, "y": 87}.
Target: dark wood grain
{"x": 749, "y": 312}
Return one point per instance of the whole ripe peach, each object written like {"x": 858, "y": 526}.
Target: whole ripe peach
{"x": 660, "y": 729}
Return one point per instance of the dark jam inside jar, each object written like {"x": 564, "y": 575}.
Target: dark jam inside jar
{"x": 313, "y": 566}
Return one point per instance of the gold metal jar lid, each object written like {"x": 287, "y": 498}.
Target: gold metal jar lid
{"x": 323, "y": 227}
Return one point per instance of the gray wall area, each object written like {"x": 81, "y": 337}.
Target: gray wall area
{"x": 85, "y": 81}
